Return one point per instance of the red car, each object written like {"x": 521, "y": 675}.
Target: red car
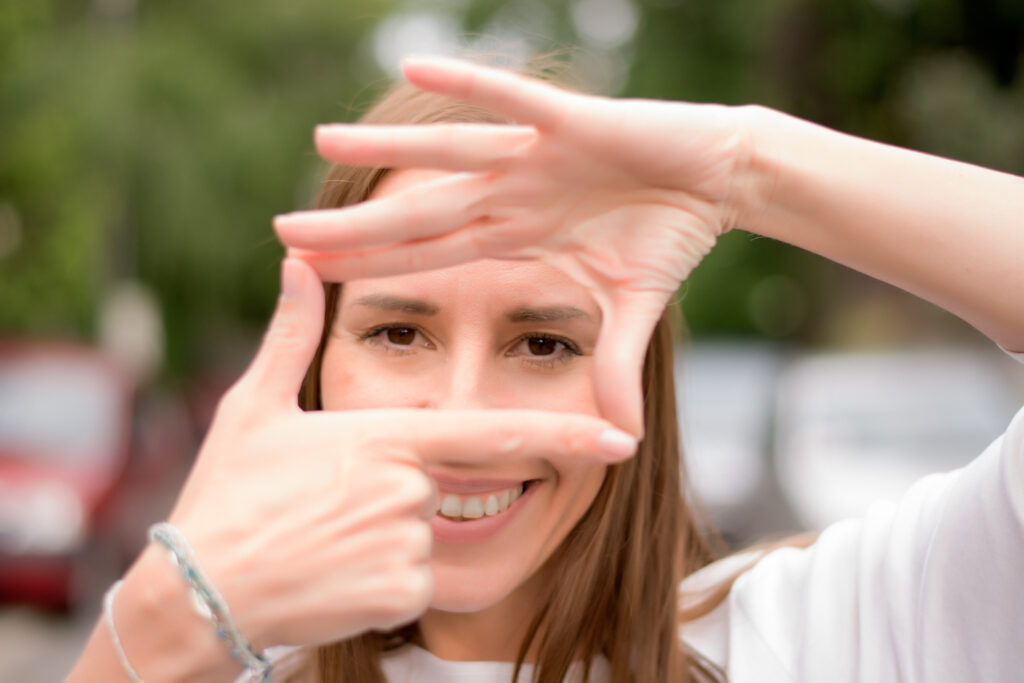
{"x": 65, "y": 442}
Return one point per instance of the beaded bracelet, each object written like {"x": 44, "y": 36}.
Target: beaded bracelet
{"x": 208, "y": 602}
{"x": 108, "y": 617}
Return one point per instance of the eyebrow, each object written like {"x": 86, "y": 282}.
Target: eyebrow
{"x": 522, "y": 314}
{"x": 525, "y": 314}
{"x": 385, "y": 302}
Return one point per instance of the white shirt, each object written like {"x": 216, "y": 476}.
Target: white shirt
{"x": 412, "y": 664}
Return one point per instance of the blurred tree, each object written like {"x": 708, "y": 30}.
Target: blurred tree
{"x": 154, "y": 140}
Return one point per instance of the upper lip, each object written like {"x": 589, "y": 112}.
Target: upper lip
{"x": 466, "y": 485}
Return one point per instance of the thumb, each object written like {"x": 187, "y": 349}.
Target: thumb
{"x": 291, "y": 340}
{"x": 619, "y": 359}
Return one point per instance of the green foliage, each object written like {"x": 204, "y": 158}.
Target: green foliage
{"x": 157, "y": 145}
{"x": 155, "y": 140}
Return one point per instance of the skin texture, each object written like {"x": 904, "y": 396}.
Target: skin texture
{"x": 470, "y": 355}
{"x": 313, "y": 526}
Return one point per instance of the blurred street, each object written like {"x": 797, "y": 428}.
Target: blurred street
{"x": 40, "y": 648}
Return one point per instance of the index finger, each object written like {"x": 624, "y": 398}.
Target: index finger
{"x": 524, "y": 100}
{"x": 475, "y": 436}
{"x": 469, "y": 436}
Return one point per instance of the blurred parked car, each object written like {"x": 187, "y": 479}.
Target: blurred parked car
{"x": 726, "y": 400}
{"x": 856, "y": 428}
{"x": 65, "y": 440}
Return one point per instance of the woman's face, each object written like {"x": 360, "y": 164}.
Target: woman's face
{"x": 487, "y": 334}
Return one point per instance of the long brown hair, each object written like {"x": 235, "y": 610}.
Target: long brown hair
{"x": 624, "y": 560}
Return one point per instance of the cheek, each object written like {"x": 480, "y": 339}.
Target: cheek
{"x": 353, "y": 381}
{"x": 577, "y": 490}
{"x": 568, "y": 392}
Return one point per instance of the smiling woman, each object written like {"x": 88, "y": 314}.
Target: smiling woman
{"x": 449, "y": 506}
{"x": 544, "y": 565}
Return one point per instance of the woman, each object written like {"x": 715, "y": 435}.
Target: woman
{"x": 598, "y": 586}
{"x": 624, "y": 197}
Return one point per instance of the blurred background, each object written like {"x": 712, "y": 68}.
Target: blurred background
{"x": 146, "y": 145}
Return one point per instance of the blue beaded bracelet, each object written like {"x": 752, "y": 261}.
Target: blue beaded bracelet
{"x": 208, "y": 602}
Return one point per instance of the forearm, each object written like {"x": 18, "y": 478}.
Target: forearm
{"x": 949, "y": 232}
{"x": 162, "y": 635}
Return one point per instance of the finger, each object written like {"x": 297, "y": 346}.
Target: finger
{"x": 520, "y": 434}
{"x": 421, "y": 211}
{"x": 524, "y": 100}
{"x": 440, "y": 252}
{"x": 619, "y": 358}
{"x": 477, "y": 436}
{"x": 292, "y": 337}
{"x": 453, "y": 147}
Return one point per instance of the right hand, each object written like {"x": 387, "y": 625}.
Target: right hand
{"x": 624, "y": 196}
{"x": 314, "y": 526}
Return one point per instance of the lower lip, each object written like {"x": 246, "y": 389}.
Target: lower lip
{"x": 478, "y": 530}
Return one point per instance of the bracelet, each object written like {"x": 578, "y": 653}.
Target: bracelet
{"x": 208, "y": 602}
{"x": 108, "y": 617}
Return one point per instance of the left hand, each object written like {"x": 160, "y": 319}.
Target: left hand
{"x": 625, "y": 196}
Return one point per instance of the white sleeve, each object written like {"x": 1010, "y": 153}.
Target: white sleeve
{"x": 930, "y": 589}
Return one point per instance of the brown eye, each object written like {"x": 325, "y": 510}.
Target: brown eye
{"x": 401, "y": 336}
{"x": 542, "y": 346}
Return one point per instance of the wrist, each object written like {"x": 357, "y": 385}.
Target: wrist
{"x": 162, "y": 634}
{"x": 756, "y": 184}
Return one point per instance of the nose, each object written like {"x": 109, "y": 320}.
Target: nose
{"x": 469, "y": 381}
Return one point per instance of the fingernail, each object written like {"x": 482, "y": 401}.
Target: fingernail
{"x": 291, "y": 279}
{"x": 618, "y": 444}
{"x": 281, "y": 221}
{"x": 417, "y": 58}
{"x": 328, "y": 128}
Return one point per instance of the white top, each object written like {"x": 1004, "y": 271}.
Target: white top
{"x": 930, "y": 589}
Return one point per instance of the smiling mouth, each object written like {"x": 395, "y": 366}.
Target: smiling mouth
{"x": 467, "y": 508}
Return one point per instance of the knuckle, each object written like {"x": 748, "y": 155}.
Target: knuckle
{"x": 411, "y": 536}
{"x": 415, "y": 260}
{"x": 413, "y": 590}
{"x": 507, "y": 440}
{"x": 495, "y": 237}
{"x": 574, "y": 442}
{"x": 419, "y": 540}
{"x": 287, "y": 336}
{"x": 408, "y": 596}
{"x": 416, "y": 488}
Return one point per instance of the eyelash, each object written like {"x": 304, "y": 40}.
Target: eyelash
{"x": 373, "y": 337}
{"x": 561, "y": 356}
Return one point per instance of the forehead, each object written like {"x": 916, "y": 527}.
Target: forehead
{"x": 492, "y": 283}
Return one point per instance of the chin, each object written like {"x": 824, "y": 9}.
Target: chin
{"x": 471, "y": 589}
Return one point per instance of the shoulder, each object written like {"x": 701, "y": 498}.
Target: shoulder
{"x": 876, "y": 594}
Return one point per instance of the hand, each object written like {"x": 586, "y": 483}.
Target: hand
{"x": 625, "y": 196}
{"x": 314, "y": 526}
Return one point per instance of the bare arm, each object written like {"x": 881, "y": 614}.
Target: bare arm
{"x": 949, "y": 232}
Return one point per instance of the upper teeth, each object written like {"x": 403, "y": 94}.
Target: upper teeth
{"x": 475, "y": 507}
